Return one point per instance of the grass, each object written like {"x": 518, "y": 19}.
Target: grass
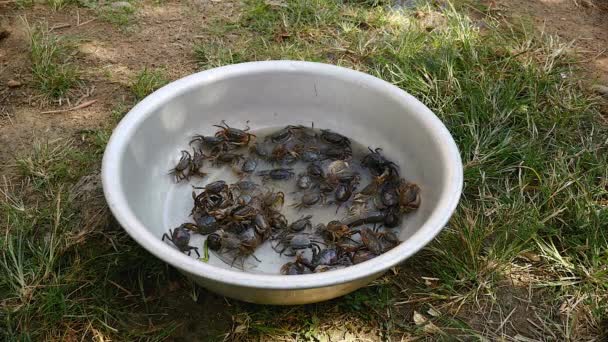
{"x": 48, "y": 163}
{"x": 53, "y": 72}
{"x": 122, "y": 16}
{"x": 24, "y": 3}
{"x": 147, "y": 81}
{"x": 57, "y": 245}
{"x": 59, "y": 4}
{"x": 525, "y": 253}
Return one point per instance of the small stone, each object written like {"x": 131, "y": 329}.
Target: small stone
{"x": 13, "y": 84}
{"x": 122, "y": 5}
{"x": 600, "y": 89}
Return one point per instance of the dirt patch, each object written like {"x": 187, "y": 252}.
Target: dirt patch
{"x": 106, "y": 56}
{"x": 205, "y": 319}
{"x": 581, "y": 21}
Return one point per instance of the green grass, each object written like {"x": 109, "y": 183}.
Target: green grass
{"x": 24, "y": 3}
{"x": 59, "y": 4}
{"x": 48, "y": 163}
{"x": 530, "y": 138}
{"x": 123, "y": 16}
{"x": 530, "y": 235}
{"x": 147, "y": 81}
{"x": 53, "y": 72}
{"x": 63, "y": 260}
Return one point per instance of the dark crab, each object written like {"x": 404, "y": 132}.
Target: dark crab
{"x": 280, "y": 174}
{"x": 308, "y": 199}
{"x": 377, "y": 163}
{"x": 326, "y": 187}
{"x": 180, "y": 237}
{"x": 273, "y": 200}
{"x": 227, "y": 158}
{"x": 301, "y": 224}
{"x": 295, "y": 242}
{"x": 326, "y": 259}
{"x": 214, "y": 144}
{"x": 310, "y": 154}
{"x": 244, "y": 187}
{"x": 285, "y": 154}
{"x": 215, "y": 187}
{"x": 262, "y": 150}
{"x": 214, "y": 241}
{"x": 299, "y": 266}
{"x": 388, "y": 195}
{"x": 277, "y": 220}
{"x": 335, "y": 231}
{"x": 247, "y": 167}
{"x": 372, "y": 217}
{"x": 337, "y": 153}
{"x": 243, "y": 213}
{"x": 204, "y": 202}
{"x": 348, "y": 177}
{"x": 262, "y": 226}
{"x": 373, "y": 187}
{"x": 362, "y": 255}
{"x": 326, "y": 256}
{"x": 409, "y": 196}
{"x": 284, "y": 134}
{"x": 304, "y": 182}
{"x": 392, "y": 217}
{"x": 196, "y": 164}
{"x": 371, "y": 241}
{"x": 315, "y": 170}
{"x": 342, "y": 194}
{"x": 378, "y": 242}
{"x": 181, "y": 170}
{"x": 240, "y": 245}
{"x": 334, "y": 138}
{"x": 204, "y": 224}
{"x": 239, "y": 137}
{"x": 244, "y": 199}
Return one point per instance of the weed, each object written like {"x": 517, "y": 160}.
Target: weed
{"x": 59, "y": 4}
{"x": 24, "y": 3}
{"x": 118, "y": 112}
{"x": 121, "y": 16}
{"x": 52, "y": 70}
{"x": 212, "y": 55}
{"x": 49, "y": 162}
{"x": 97, "y": 139}
{"x": 58, "y": 272}
{"x": 147, "y": 81}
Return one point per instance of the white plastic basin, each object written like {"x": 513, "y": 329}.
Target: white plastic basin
{"x": 146, "y": 144}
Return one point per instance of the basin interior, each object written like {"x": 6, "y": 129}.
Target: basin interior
{"x": 263, "y": 101}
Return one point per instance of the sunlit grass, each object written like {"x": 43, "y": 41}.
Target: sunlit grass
{"x": 53, "y": 73}
{"x": 147, "y": 81}
{"x": 528, "y": 133}
{"x": 533, "y": 220}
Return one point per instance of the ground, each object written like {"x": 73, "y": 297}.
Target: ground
{"x": 581, "y": 22}
{"x": 524, "y": 257}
